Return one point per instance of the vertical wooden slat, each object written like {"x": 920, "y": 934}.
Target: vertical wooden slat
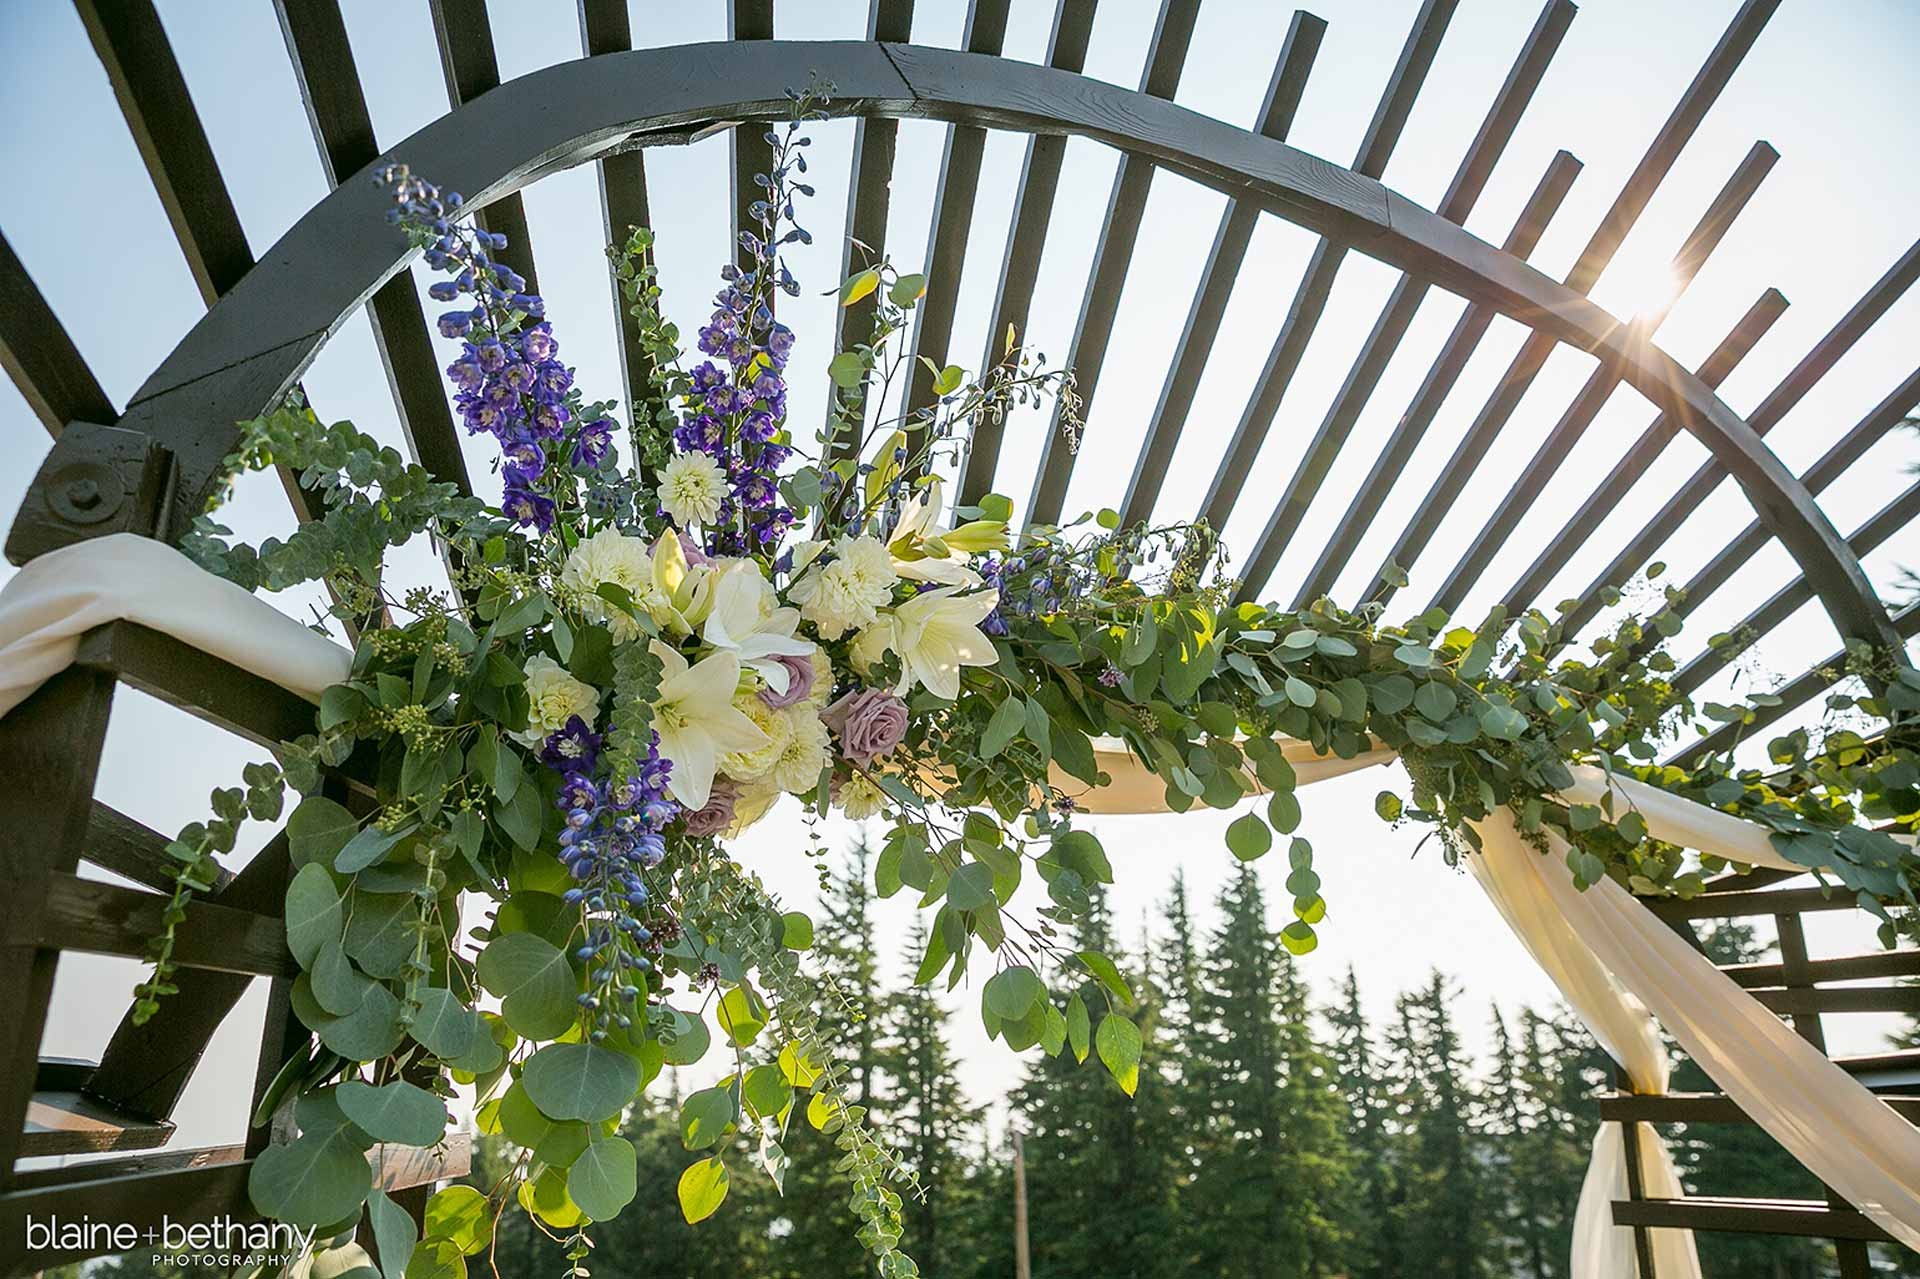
{"x": 54, "y": 738}
{"x": 1113, "y": 252}
{"x": 869, "y": 195}
{"x": 316, "y": 37}
{"x": 953, "y": 203}
{"x": 1536, "y": 54}
{"x": 1316, "y": 284}
{"x": 1559, "y": 442}
{"x": 41, "y": 358}
{"x": 1459, "y": 347}
{"x": 752, "y": 153}
{"x": 604, "y": 28}
{"x": 1026, "y": 239}
{"x": 1593, "y": 261}
{"x": 1209, "y": 307}
{"x": 471, "y": 67}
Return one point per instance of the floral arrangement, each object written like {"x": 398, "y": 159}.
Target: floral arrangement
{"x": 647, "y": 647}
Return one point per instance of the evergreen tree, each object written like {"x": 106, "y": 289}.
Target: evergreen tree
{"x": 1370, "y": 1222}
{"x": 1442, "y": 1195}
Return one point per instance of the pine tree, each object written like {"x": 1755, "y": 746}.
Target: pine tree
{"x": 1442, "y": 1204}
{"x": 1367, "y": 1205}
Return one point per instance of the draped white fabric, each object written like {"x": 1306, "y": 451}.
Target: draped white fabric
{"x": 1617, "y": 965}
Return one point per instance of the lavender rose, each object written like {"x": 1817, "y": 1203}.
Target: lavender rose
{"x": 717, "y": 816}
{"x": 799, "y": 681}
{"x": 869, "y": 723}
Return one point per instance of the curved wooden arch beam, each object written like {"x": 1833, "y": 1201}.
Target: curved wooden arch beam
{"x": 255, "y": 343}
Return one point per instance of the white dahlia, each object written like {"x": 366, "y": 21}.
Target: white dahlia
{"x": 849, "y": 592}
{"x": 692, "y": 486}
{"x": 797, "y": 770}
{"x": 754, "y": 765}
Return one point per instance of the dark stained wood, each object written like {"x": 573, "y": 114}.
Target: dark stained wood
{"x": 316, "y": 38}
{"x": 54, "y": 738}
{"x": 108, "y": 919}
{"x": 196, "y": 682}
{"x": 953, "y": 202}
{"x": 869, "y": 197}
{"x": 67, "y": 1123}
{"x": 1469, "y": 180}
{"x": 1809, "y": 1002}
{"x": 1705, "y": 1108}
{"x": 1825, "y": 353}
{"x": 1112, "y": 254}
{"x": 1788, "y": 901}
{"x": 605, "y": 28}
{"x": 471, "y": 67}
{"x": 1561, "y": 439}
{"x": 126, "y": 847}
{"x": 1316, "y": 284}
{"x": 1209, "y": 306}
{"x": 1459, "y": 347}
{"x": 1892, "y": 411}
{"x": 1786, "y": 601}
{"x": 752, "y": 153}
{"x": 1748, "y": 1216}
{"x": 41, "y": 358}
{"x": 212, "y": 1183}
{"x": 138, "y": 58}
{"x": 1026, "y": 238}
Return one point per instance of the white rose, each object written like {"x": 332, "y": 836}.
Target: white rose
{"x": 553, "y": 698}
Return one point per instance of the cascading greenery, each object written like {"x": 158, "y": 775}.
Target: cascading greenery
{"x": 510, "y": 879}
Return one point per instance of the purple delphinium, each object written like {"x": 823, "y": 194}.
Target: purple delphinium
{"x": 612, "y": 837}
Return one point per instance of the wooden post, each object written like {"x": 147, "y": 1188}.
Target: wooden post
{"x": 1022, "y": 1260}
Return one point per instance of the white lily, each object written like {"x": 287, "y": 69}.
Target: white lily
{"x": 924, "y": 552}
{"x": 697, "y": 721}
{"x": 744, "y": 617}
{"x": 935, "y": 635}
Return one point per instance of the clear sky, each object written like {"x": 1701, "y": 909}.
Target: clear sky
{"x": 1821, "y": 85}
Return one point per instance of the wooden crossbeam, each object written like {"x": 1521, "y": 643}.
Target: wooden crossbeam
{"x": 127, "y": 847}
{"x": 1209, "y": 306}
{"x": 1892, "y": 411}
{"x": 1026, "y": 238}
{"x": 1316, "y": 284}
{"x": 1560, "y": 440}
{"x": 1602, "y": 245}
{"x": 1447, "y": 367}
{"x": 40, "y": 356}
{"x": 196, "y": 682}
{"x": 1704, "y": 1108}
{"x": 1783, "y": 603}
{"x": 1640, "y": 548}
{"x": 316, "y": 38}
{"x": 1112, "y": 254}
{"x": 1469, "y": 180}
{"x": 953, "y": 202}
{"x": 1807, "y": 1217}
{"x": 752, "y": 153}
{"x": 72, "y": 913}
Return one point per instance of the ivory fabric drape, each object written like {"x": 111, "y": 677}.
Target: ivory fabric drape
{"x": 1618, "y": 966}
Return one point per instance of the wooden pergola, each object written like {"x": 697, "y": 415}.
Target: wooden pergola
{"x": 148, "y": 468}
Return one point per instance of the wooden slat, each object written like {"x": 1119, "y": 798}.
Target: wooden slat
{"x": 1112, "y": 254}
{"x": 1566, "y": 433}
{"x": 869, "y": 196}
{"x": 196, "y": 682}
{"x": 126, "y": 847}
{"x": 1897, "y": 1069}
{"x": 1700, "y": 485}
{"x": 1745, "y": 905}
{"x": 1459, "y": 348}
{"x": 1593, "y": 261}
{"x": 1786, "y": 601}
{"x": 1805, "y": 1217}
{"x": 1891, "y": 412}
{"x": 40, "y": 356}
{"x": 1026, "y": 238}
{"x": 181, "y": 1186}
{"x": 1316, "y": 284}
{"x": 605, "y": 28}
{"x": 1469, "y": 180}
{"x": 953, "y": 201}
{"x": 138, "y": 58}
{"x": 1812, "y": 1001}
{"x": 752, "y": 153}
{"x": 316, "y": 38}
{"x": 467, "y": 60}
{"x": 1209, "y": 306}
{"x": 1704, "y": 1108}
{"x": 108, "y": 919}
{"x": 67, "y": 1123}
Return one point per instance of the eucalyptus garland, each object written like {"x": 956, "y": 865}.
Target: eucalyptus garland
{"x": 511, "y": 879}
